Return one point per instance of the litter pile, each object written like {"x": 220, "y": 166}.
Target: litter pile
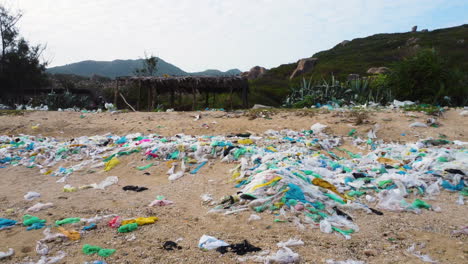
{"x": 296, "y": 175}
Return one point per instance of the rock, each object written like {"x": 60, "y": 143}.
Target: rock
{"x": 259, "y": 106}
{"x": 414, "y": 29}
{"x": 378, "y": 70}
{"x": 254, "y": 73}
{"x": 370, "y": 252}
{"x": 353, "y": 76}
{"x": 411, "y": 41}
{"x": 460, "y": 41}
{"x": 425, "y": 30}
{"x": 304, "y": 65}
{"x": 464, "y": 113}
{"x": 344, "y": 42}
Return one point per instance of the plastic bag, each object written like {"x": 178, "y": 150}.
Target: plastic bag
{"x": 318, "y": 128}
{"x": 284, "y": 256}
{"x": 417, "y": 124}
{"x": 39, "y": 206}
{"x": 210, "y": 243}
{"x": 111, "y": 180}
{"x": 31, "y": 196}
{"x": 7, "y": 254}
{"x": 292, "y": 242}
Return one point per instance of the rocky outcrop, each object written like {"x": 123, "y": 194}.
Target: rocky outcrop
{"x": 378, "y": 70}
{"x": 414, "y": 29}
{"x": 344, "y": 42}
{"x": 254, "y": 73}
{"x": 303, "y": 66}
{"x": 425, "y": 30}
{"x": 412, "y": 41}
{"x": 353, "y": 77}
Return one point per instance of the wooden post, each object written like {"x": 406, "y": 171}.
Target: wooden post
{"x": 194, "y": 98}
{"x": 245, "y": 95}
{"x": 154, "y": 96}
{"x": 172, "y": 97}
{"x": 230, "y": 98}
{"x": 148, "y": 100}
{"x": 116, "y": 93}
{"x": 139, "y": 95}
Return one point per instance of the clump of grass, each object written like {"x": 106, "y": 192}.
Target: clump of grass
{"x": 359, "y": 117}
{"x": 428, "y": 109}
{"x": 266, "y": 113}
{"x": 11, "y": 112}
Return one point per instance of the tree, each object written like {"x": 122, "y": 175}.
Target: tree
{"x": 424, "y": 77}
{"x": 150, "y": 68}
{"x": 21, "y": 71}
{"x": 8, "y": 30}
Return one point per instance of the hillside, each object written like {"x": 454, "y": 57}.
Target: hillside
{"x": 360, "y": 54}
{"x": 117, "y": 68}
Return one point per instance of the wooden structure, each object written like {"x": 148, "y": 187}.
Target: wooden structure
{"x": 207, "y": 85}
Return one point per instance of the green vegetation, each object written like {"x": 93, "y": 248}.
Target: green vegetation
{"x": 426, "y": 77}
{"x": 358, "y": 91}
{"x": 382, "y": 50}
{"x": 21, "y": 71}
{"x": 54, "y": 101}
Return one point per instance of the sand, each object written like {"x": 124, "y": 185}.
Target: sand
{"x": 382, "y": 239}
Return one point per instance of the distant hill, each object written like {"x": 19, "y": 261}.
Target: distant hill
{"x": 360, "y": 54}
{"x": 117, "y": 68}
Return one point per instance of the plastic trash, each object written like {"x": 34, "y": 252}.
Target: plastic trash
{"x": 210, "y": 243}
{"x": 417, "y": 124}
{"x": 325, "y": 226}
{"x": 49, "y": 237}
{"x": 254, "y": 217}
{"x": 418, "y": 254}
{"x": 318, "y": 128}
{"x": 115, "y": 222}
{"x": 39, "y": 206}
{"x": 134, "y": 188}
{"x": 349, "y": 261}
{"x": 145, "y": 167}
{"x": 31, "y": 196}
{"x": 7, "y": 254}
{"x": 69, "y": 188}
{"x": 141, "y": 221}
{"x": 51, "y": 260}
{"x": 102, "y": 252}
{"x": 206, "y": 198}
{"x": 111, "y": 164}
{"x": 397, "y": 103}
{"x": 239, "y": 248}
{"x": 70, "y": 220}
{"x": 42, "y": 248}
{"x": 35, "y": 226}
{"x": 29, "y": 220}
{"x": 71, "y": 234}
{"x": 6, "y": 223}
{"x": 171, "y": 245}
{"x": 292, "y": 242}
{"x": 160, "y": 202}
{"x": 111, "y": 180}
{"x": 89, "y": 227}
{"x": 284, "y": 256}
{"x": 125, "y": 228}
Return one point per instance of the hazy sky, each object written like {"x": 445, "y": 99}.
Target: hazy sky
{"x": 219, "y": 34}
